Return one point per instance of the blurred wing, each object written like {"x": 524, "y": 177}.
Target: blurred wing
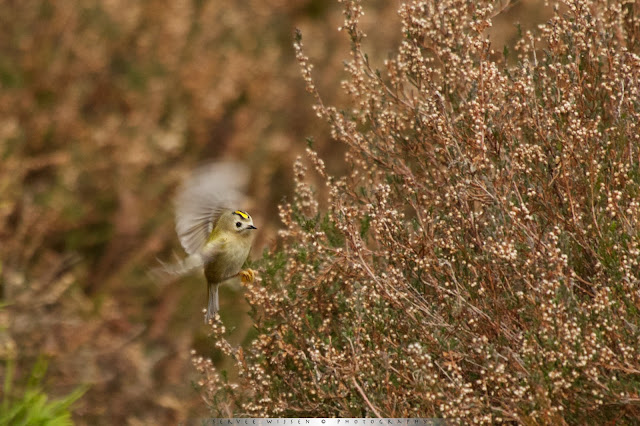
{"x": 203, "y": 197}
{"x": 191, "y": 263}
{"x": 178, "y": 268}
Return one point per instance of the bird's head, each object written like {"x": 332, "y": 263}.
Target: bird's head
{"x": 237, "y": 221}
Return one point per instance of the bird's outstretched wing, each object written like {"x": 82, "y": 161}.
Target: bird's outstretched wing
{"x": 189, "y": 264}
{"x": 203, "y": 197}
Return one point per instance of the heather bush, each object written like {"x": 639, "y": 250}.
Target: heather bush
{"x": 479, "y": 260}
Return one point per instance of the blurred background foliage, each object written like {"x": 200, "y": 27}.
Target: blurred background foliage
{"x": 104, "y": 106}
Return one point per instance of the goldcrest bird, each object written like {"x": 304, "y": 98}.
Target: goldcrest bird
{"x": 214, "y": 233}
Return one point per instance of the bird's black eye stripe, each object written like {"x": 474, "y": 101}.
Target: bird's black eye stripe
{"x": 238, "y": 224}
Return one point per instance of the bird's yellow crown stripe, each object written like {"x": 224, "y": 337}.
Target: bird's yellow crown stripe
{"x": 241, "y": 214}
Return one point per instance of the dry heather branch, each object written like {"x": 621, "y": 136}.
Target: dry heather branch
{"x": 480, "y": 260}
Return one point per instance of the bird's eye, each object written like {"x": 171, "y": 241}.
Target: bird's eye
{"x": 238, "y": 224}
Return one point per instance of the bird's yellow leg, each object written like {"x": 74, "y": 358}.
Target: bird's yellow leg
{"x": 247, "y": 276}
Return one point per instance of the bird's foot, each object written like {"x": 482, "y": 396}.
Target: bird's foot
{"x": 247, "y": 276}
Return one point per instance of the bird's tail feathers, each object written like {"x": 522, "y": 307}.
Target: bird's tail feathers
{"x": 214, "y": 305}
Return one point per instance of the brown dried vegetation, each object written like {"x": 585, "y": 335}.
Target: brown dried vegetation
{"x": 480, "y": 259}
{"x": 104, "y": 104}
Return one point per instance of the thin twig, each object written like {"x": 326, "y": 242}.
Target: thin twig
{"x": 375, "y": 411}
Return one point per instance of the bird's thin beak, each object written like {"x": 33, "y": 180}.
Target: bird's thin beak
{"x": 251, "y": 227}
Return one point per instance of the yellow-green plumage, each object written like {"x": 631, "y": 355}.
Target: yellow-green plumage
{"x": 231, "y": 244}
{"x": 228, "y": 262}
{"x": 216, "y": 237}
